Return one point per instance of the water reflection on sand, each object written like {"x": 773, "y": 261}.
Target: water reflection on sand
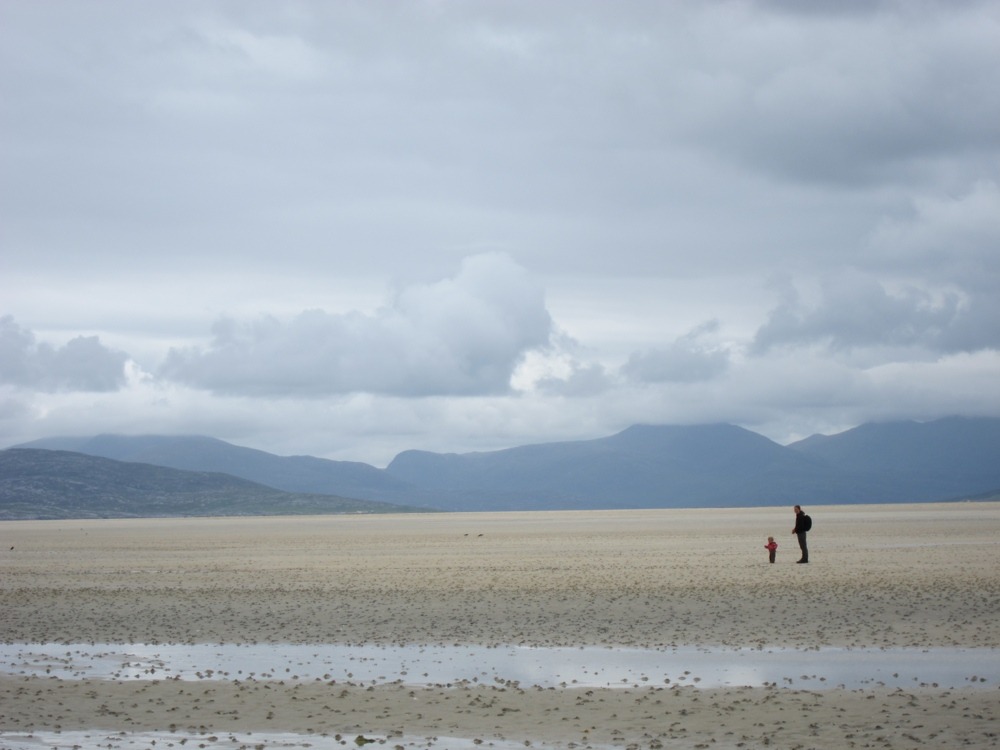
{"x": 99, "y": 740}
{"x": 822, "y": 668}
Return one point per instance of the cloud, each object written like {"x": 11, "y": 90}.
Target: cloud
{"x": 459, "y": 336}
{"x": 82, "y": 364}
{"x": 687, "y": 359}
{"x": 952, "y": 237}
{"x": 925, "y": 278}
{"x": 856, "y": 310}
{"x": 816, "y": 98}
{"x": 579, "y": 379}
{"x": 173, "y": 171}
{"x": 948, "y": 243}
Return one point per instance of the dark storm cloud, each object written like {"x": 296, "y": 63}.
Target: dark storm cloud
{"x": 460, "y": 336}
{"x": 82, "y": 364}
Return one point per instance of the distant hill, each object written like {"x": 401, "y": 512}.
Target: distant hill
{"x": 940, "y": 460}
{"x": 641, "y": 467}
{"x": 199, "y": 453}
{"x": 52, "y": 484}
{"x": 644, "y": 466}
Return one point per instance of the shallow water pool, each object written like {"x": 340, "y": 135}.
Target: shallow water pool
{"x": 822, "y": 668}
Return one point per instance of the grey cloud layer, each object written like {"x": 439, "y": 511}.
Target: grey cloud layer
{"x": 303, "y": 126}
{"x": 687, "y": 359}
{"x": 82, "y": 364}
{"x": 928, "y": 280}
{"x": 857, "y": 311}
{"x": 826, "y": 175}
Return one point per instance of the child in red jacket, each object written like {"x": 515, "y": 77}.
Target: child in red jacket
{"x": 772, "y": 548}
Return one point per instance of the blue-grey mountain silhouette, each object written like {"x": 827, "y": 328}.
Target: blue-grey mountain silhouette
{"x": 644, "y": 466}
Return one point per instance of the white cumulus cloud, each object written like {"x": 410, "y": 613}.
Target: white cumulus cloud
{"x": 461, "y": 336}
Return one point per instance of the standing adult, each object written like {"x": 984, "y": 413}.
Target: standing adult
{"x": 802, "y": 525}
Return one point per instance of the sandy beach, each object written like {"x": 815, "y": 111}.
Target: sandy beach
{"x": 880, "y": 577}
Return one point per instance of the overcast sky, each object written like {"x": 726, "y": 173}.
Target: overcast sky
{"x": 346, "y": 229}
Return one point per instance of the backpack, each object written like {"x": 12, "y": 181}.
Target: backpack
{"x": 807, "y": 523}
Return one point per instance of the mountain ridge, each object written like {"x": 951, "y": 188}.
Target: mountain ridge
{"x": 642, "y": 466}
{"x": 53, "y": 484}
{"x": 203, "y": 453}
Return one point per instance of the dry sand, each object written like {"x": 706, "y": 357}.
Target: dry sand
{"x": 880, "y": 576}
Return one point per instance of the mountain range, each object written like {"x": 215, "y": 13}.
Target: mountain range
{"x": 644, "y": 466}
{"x": 50, "y": 484}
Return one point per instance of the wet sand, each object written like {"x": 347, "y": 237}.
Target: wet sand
{"x": 880, "y": 576}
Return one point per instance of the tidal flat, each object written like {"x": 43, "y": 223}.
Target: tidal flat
{"x": 659, "y": 628}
